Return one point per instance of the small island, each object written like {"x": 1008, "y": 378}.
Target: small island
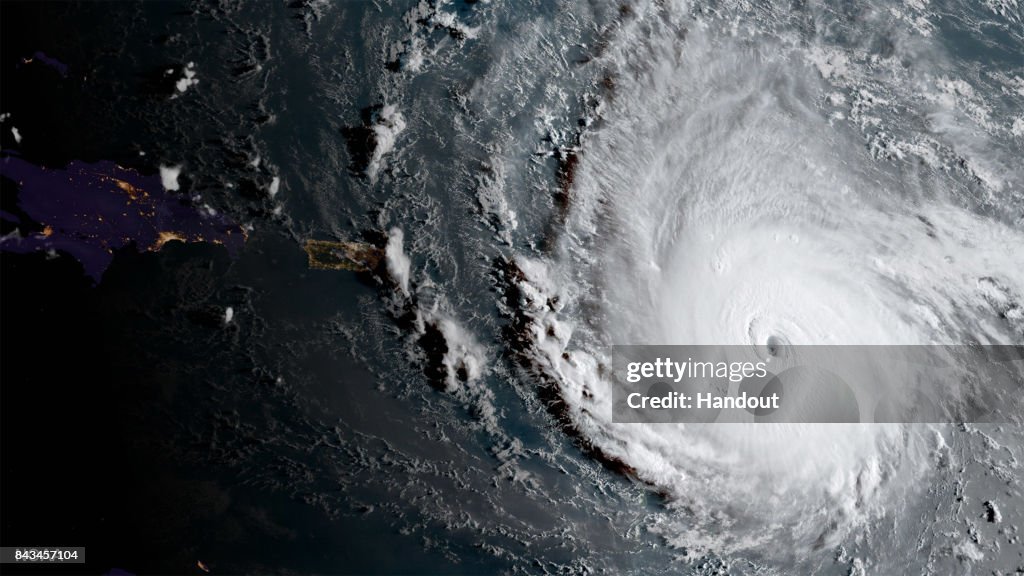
{"x": 331, "y": 255}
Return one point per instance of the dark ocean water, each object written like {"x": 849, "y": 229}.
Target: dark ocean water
{"x": 300, "y": 438}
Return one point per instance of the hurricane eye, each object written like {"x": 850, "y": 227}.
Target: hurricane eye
{"x": 775, "y": 345}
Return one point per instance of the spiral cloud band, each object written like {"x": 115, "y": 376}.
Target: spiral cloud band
{"x": 752, "y": 186}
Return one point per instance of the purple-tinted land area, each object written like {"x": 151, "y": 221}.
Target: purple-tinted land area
{"x": 42, "y": 58}
{"x": 91, "y": 210}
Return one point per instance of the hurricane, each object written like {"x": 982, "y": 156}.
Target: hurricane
{"x": 757, "y": 177}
